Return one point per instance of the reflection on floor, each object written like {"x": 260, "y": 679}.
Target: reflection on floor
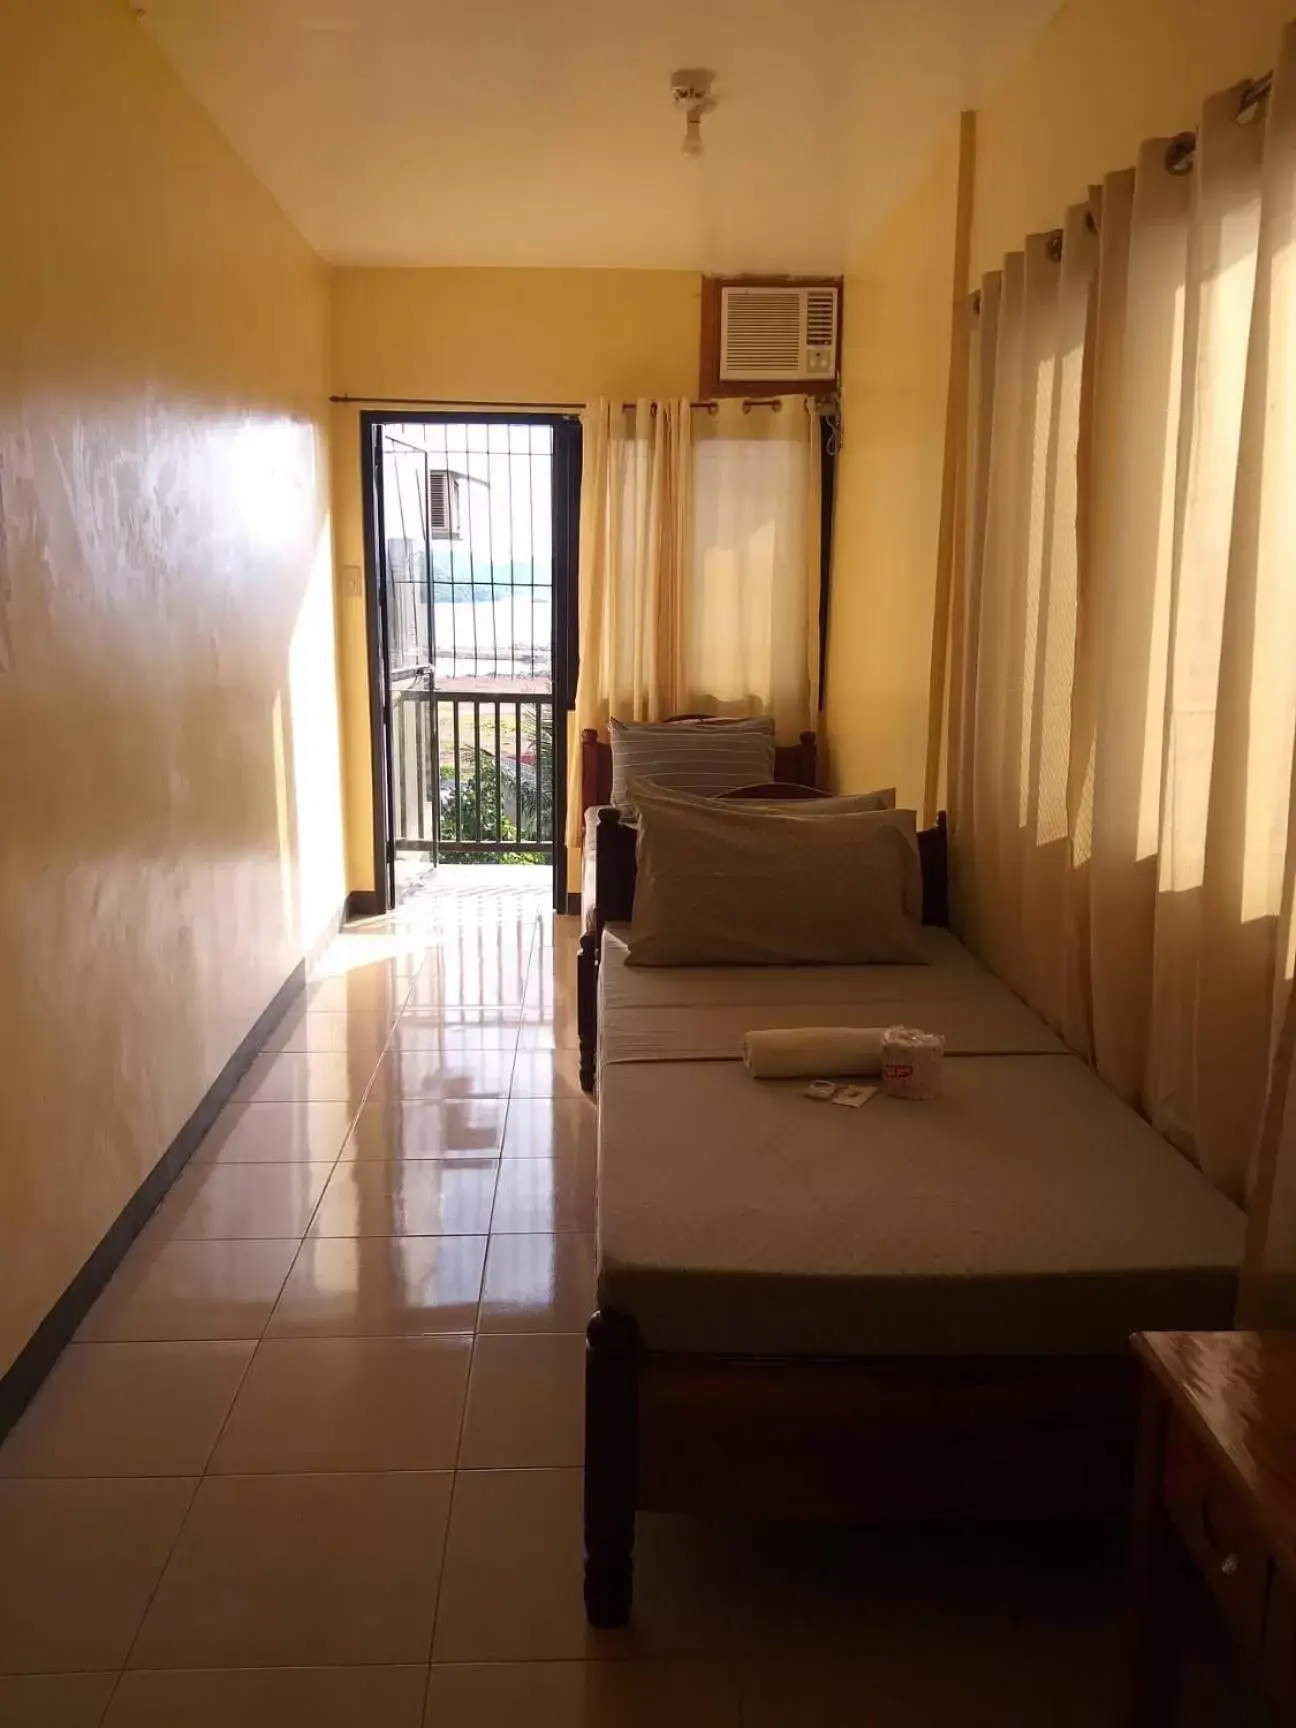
{"x": 315, "y": 1456}
{"x": 523, "y": 887}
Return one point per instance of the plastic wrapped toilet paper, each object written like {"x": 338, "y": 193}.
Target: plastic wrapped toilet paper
{"x": 806, "y": 1052}
{"x": 911, "y": 1062}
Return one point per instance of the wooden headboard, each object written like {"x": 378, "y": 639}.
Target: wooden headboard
{"x": 793, "y": 763}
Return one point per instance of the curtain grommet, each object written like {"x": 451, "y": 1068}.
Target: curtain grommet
{"x": 1252, "y": 100}
{"x": 1180, "y": 152}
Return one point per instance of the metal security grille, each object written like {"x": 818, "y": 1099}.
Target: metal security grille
{"x": 474, "y": 776}
{"x": 468, "y": 539}
{"x": 469, "y": 521}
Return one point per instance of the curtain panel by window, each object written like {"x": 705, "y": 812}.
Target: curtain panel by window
{"x": 1123, "y": 639}
{"x": 699, "y": 565}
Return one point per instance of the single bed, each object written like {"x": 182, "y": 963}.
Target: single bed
{"x": 911, "y": 1310}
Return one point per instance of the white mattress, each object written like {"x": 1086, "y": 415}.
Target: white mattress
{"x": 655, "y": 1014}
{"x": 1027, "y": 1211}
{"x": 948, "y": 967}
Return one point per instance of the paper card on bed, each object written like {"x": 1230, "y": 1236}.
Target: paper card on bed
{"x": 822, "y": 1091}
{"x": 853, "y": 1096}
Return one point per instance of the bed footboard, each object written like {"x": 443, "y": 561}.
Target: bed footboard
{"x": 869, "y": 1439}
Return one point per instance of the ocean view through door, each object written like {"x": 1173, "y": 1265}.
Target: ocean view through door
{"x": 475, "y": 539}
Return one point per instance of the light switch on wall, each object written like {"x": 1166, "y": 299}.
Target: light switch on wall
{"x": 353, "y": 581}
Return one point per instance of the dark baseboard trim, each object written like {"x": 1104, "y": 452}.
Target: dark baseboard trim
{"x": 21, "y": 1382}
{"x": 363, "y": 903}
{"x": 573, "y": 905}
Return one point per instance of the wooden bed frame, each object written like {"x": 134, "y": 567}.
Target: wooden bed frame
{"x": 870, "y": 1439}
{"x": 867, "y": 1438}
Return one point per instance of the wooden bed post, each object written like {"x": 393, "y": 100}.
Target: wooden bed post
{"x": 611, "y": 1467}
{"x": 1157, "y": 1585}
{"x": 587, "y": 1006}
{"x": 589, "y": 771}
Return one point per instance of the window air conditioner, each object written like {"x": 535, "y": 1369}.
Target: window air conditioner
{"x": 443, "y": 504}
{"x": 778, "y": 334}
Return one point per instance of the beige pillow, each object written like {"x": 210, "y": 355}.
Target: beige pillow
{"x": 736, "y": 884}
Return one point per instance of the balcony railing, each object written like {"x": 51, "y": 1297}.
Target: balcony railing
{"x": 472, "y": 774}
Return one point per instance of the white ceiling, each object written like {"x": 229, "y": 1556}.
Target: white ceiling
{"x": 542, "y": 132}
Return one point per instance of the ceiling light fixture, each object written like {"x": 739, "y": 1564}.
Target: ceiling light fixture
{"x": 691, "y": 90}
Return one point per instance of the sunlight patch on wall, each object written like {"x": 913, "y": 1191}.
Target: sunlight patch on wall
{"x": 317, "y": 795}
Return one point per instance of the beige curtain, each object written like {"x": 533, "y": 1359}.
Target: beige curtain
{"x": 752, "y": 585}
{"x": 699, "y": 565}
{"x": 1123, "y": 637}
{"x": 1260, "y": 705}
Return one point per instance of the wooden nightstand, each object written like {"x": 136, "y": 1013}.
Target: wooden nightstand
{"x": 1215, "y": 1494}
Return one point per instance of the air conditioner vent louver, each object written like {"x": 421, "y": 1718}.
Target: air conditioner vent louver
{"x": 778, "y": 334}
{"x": 441, "y": 501}
{"x": 821, "y": 316}
{"x": 764, "y": 331}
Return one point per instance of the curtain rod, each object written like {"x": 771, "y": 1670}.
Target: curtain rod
{"x": 748, "y": 402}
{"x": 460, "y": 402}
{"x": 1178, "y": 160}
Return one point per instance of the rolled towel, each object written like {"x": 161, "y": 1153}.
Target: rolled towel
{"x": 813, "y": 1052}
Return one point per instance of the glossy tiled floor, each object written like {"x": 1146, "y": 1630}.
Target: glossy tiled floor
{"x": 314, "y": 1457}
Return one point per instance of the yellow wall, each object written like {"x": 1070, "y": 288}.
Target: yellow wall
{"x": 168, "y": 763}
{"x": 1105, "y": 75}
{"x": 508, "y": 336}
{"x": 895, "y": 370}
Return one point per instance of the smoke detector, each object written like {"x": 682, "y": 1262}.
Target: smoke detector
{"x": 691, "y": 90}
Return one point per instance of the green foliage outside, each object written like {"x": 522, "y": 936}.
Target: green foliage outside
{"x": 477, "y": 792}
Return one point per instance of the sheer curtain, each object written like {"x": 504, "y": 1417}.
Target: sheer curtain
{"x": 699, "y": 565}
{"x": 1123, "y": 640}
{"x": 752, "y": 584}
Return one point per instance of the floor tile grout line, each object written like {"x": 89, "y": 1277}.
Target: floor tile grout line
{"x": 220, "y": 1432}
{"x": 301, "y": 1240}
{"x": 499, "y": 1163}
{"x": 203, "y": 1474}
{"x": 306, "y": 1233}
{"x": 454, "y": 1480}
{"x": 463, "y": 1424}
{"x": 473, "y": 1334}
{"x": 153, "y": 1593}
{"x": 108, "y": 1701}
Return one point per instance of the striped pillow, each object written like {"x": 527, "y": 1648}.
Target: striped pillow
{"x": 702, "y": 756}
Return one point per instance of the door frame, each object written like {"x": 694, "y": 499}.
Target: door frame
{"x": 565, "y": 641}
